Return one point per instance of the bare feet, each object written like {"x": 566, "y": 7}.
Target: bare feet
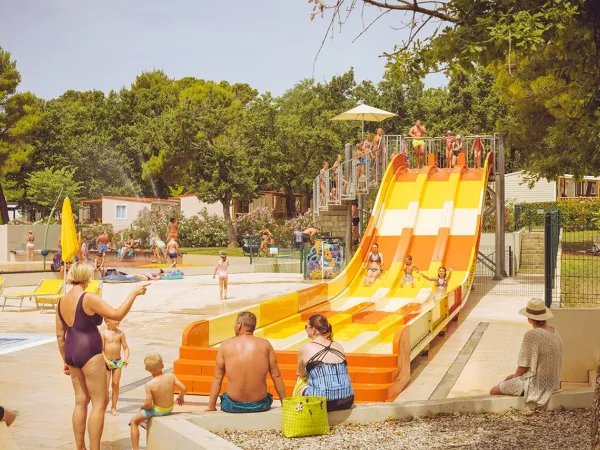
{"x": 114, "y": 412}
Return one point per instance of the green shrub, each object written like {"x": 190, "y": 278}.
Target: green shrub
{"x": 90, "y": 232}
{"x": 151, "y": 222}
{"x": 252, "y": 222}
{"x": 489, "y": 220}
{"x": 283, "y": 231}
{"x": 203, "y": 230}
{"x": 574, "y": 215}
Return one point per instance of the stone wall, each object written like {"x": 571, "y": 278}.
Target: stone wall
{"x": 337, "y": 221}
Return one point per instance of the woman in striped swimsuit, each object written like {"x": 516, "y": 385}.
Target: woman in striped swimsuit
{"x": 322, "y": 367}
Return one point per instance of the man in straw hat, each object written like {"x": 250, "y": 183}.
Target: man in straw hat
{"x": 540, "y": 359}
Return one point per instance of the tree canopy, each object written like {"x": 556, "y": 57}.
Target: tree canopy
{"x": 225, "y": 142}
{"x": 543, "y": 57}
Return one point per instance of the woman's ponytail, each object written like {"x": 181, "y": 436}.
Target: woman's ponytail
{"x": 321, "y": 324}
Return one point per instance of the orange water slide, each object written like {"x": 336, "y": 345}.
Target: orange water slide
{"x": 432, "y": 214}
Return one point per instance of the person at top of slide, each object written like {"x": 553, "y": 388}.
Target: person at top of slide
{"x": 449, "y": 139}
{"x": 457, "y": 147}
{"x": 173, "y": 228}
{"x": 358, "y": 157}
{"x": 417, "y": 132}
{"x": 336, "y": 169}
{"x": 478, "y": 147}
{"x": 441, "y": 282}
{"x": 322, "y": 182}
{"x": 378, "y": 148}
{"x": 222, "y": 268}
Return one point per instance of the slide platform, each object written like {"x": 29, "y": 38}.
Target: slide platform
{"x": 432, "y": 214}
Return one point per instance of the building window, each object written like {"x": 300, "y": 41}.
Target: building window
{"x": 121, "y": 212}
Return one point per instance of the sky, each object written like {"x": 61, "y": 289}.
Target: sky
{"x": 269, "y": 44}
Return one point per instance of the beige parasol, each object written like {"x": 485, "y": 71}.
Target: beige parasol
{"x": 365, "y": 113}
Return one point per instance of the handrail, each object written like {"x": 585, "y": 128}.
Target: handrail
{"x": 350, "y": 178}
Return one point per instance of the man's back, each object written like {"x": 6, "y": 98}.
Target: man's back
{"x": 247, "y": 365}
{"x": 172, "y": 247}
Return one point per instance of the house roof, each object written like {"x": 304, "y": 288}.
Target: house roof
{"x": 278, "y": 193}
{"x": 133, "y": 199}
{"x": 566, "y": 175}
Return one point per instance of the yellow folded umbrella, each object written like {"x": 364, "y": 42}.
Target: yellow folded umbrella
{"x": 68, "y": 236}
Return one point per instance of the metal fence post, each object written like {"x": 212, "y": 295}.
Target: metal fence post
{"x": 510, "y": 261}
{"x": 500, "y": 271}
{"x": 548, "y": 259}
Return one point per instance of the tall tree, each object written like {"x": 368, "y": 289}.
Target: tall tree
{"x": 201, "y": 150}
{"x": 20, "y": 115}
{"x": 543, "y": 55}
{"x": 43, "y": 187}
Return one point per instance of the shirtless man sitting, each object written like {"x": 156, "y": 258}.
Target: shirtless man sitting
{"x": 248, "y": 359}
{"x": 309, "y": 234}
{"x": 417, "y": 132}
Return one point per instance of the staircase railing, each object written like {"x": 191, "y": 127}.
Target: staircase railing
{"x": 357, "y": 176}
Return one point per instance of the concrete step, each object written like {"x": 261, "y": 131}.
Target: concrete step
{"x": 573, "y": 385}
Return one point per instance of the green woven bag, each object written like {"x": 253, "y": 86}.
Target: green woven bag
{"x": 304, "y": 416}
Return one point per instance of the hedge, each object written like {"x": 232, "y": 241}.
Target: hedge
{"x": 574, "y": 215}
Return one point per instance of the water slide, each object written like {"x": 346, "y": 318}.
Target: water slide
{"x": 432, "y": 214}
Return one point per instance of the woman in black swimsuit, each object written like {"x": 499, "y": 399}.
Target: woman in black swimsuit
{"x": 373, "y": 265}
{"x": 80, "y": 345}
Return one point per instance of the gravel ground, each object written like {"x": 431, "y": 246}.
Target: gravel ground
{"x": 509, "y": 430}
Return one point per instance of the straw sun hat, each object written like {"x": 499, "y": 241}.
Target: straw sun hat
{"x": 536, "y": 310}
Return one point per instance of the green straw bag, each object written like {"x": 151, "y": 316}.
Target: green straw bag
{"x": 304, "y": 416}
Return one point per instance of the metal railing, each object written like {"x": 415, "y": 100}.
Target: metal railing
{"x": 357, "y": 176}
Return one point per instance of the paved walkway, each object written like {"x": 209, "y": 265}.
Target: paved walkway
{"x": 32, "y": 381}
{"x": 476, "y": 353}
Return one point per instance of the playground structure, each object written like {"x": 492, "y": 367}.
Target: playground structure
{"x": 432, "y": 214}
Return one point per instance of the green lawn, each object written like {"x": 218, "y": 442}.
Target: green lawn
{"x": 212, "y": 251}
{"x": 574, "y": 241}
{"x": 580, "y": 280}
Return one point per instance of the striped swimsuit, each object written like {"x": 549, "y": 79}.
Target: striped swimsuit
{"x": 329, "y": 380}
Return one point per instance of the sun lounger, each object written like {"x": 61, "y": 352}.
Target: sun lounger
{"x": 45, "y": 287}
{"x": 94, "y": 287}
